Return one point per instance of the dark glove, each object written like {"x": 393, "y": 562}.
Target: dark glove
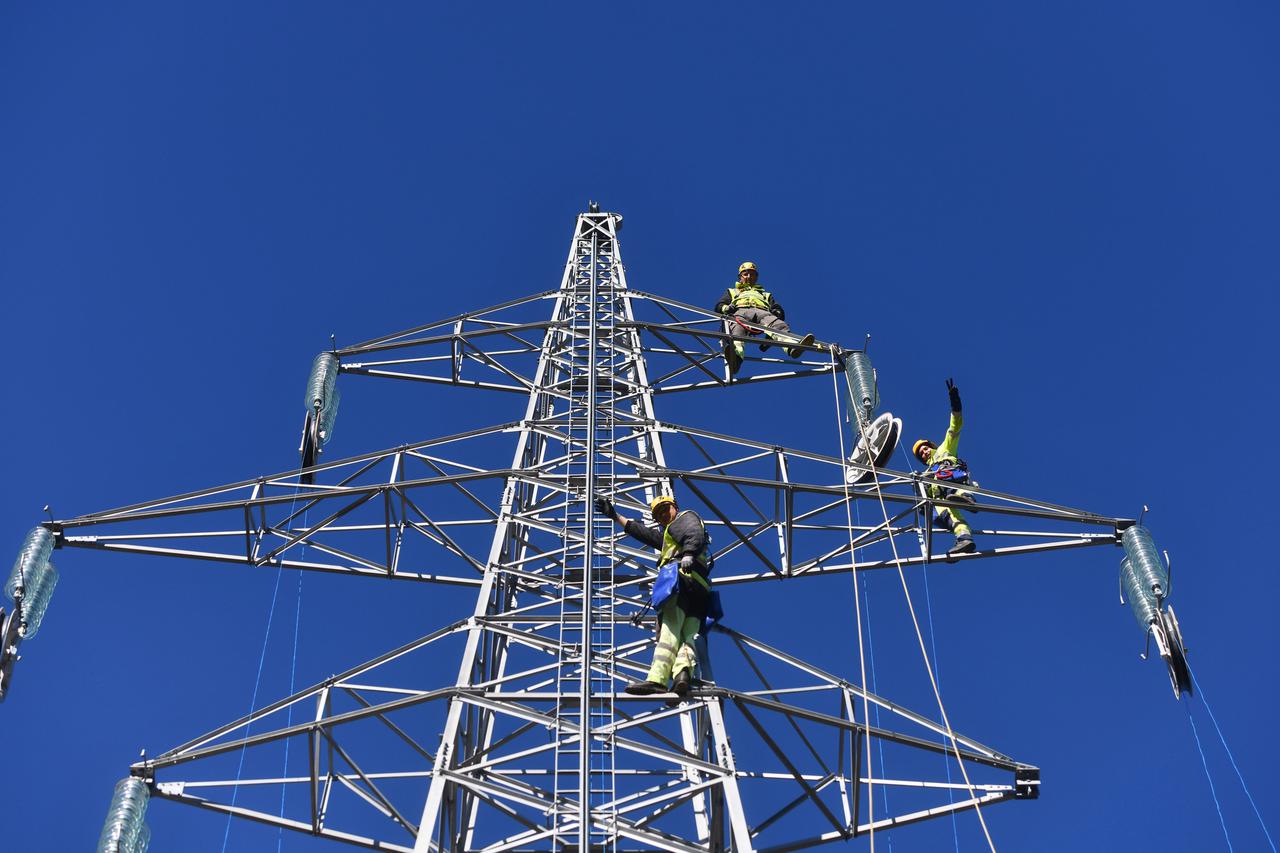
{"x": 954, "y": 393}
{"x": 686, "y": 563}
{"x": 605, "y": 506}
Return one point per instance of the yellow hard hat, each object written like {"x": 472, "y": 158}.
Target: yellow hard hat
{"x": 659, "y": 501}
{"x": 920, "y": 445}
{"x": 747, "y": 265}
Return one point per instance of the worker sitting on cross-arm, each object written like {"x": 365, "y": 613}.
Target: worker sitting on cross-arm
{"x": 681, "y": 593}
{"x": 942, "y": 466}
{"x": 747, "y": 301}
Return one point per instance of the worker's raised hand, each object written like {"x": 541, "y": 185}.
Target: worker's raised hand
{"x": 954, "y": 393}
{"x": 605, "y": 506}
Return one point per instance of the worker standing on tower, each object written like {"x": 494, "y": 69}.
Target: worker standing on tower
{"x": 681, "y": 594}
{"x": 747, "y": 301}
{"x": 943, "y": 466}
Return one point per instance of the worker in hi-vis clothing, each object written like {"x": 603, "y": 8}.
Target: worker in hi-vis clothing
{"x": 942, "y": 466}
{"x": 682, "y": 597}
{"x": 747, "y": 301}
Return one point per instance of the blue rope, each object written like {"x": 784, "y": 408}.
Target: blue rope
{"x": 253, "y": 703}
{"x": 1212, "y": 791}
{"x": 1234, "y": 766}
{"x": 933, "y": 646}
{"x": 293, "y": 670}
{"x": 257, "y": 681}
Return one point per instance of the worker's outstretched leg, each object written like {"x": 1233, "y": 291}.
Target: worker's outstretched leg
{"x": 795, "y": 351}
{"x": 776, "y": 329}
{"x": 779, "y": 331}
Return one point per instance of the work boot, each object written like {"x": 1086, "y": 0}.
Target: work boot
{"x": 795, "y": 351}
{"x": 683, "y": 681}
{"x": 732, "y": 357}
{"x": 963, "y": 497}
{"x": 645, "y": 688}
{"x": 964, "y": 545}
{"x": 680, "y": 687}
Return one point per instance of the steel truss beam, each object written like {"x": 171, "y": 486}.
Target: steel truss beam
{"x": 370, "y": 508}
{"x": 815, "y": 747}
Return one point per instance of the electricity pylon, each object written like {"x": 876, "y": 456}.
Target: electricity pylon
{"x": 534, "y": 746}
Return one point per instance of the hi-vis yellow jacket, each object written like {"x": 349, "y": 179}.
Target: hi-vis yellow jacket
{"x": 749, "y": 297}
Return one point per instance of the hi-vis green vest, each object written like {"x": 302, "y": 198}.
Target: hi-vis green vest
{"x": 750, "y": 297}
{"x": 671, "y": 551}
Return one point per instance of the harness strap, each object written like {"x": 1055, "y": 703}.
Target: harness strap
{"x": 697, "y": 576}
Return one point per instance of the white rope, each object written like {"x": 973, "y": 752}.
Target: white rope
{"x": 857, "y": 608}
{"x": 897, "y": 561}
{"x": 933, "y": 636}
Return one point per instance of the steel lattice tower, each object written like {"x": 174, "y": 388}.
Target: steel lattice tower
{"x": 534, "y": 746}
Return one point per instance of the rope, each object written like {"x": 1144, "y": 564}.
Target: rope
{"x": 871, "y": 652}
{"x": 1234, "y": 766}
{"x": 897, "y": 560}
{"x": 933, "y": 644}
{"x": 857, "y": 605}
{"x": 293, "y": 670}
{"x": 253, "y": 703}
{"x": 1212, "y": 791}
{"x": 257, "y": 681}
{"x": 875, "y": 687}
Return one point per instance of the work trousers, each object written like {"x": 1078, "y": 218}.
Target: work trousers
{"x": 951, "y": 519}
{"x": 677, "y": 634}
{"x": 759, "y": 317}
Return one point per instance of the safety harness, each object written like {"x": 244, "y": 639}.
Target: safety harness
{"x": 951, "y": 470}
{"x": 669, "y": 567}
{"x": 670, "y": 574}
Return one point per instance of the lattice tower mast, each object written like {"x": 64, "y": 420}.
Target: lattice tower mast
{"x": 591, "y": 402}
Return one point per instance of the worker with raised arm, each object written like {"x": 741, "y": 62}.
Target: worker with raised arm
{"x": 942, "y": 466}
{"x": 747, "y": 301}
{"x": 681, "y": 594}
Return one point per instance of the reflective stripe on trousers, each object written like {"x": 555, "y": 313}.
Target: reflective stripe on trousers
{"x": 677, "y": 634}
{"x": 952, "y": 520}
{"x": 947, "y": 517}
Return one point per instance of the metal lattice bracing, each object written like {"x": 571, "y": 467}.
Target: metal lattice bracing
{"x": 534, "y": 746}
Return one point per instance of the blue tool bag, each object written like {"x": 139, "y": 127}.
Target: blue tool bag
{"x": 665, "y": 586}
{"x": 949, "y": 471}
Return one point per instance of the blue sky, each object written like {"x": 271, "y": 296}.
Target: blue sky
{"x": 1072, "y": 211}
